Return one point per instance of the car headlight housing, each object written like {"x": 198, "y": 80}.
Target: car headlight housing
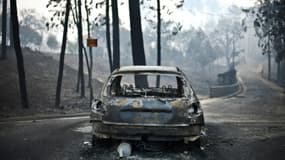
{"x": 97, "y": 106}
{"x": 97, "y": 111}
{"x": 194, "y": 110}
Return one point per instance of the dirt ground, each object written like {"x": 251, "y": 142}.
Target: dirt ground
{"x": 41, "y": 78}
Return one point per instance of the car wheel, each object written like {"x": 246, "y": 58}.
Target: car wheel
{"x": 100, "y": 141}
{"x": 196, "y": 143}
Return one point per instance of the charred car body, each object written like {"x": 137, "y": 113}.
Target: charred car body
{"x": 154, "y": 103}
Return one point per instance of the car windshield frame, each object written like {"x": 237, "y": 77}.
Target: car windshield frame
{"x": 161, "y": 92}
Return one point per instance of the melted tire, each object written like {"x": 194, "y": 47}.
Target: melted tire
{"x": 196, "y": 143}
{"x": 100, "y": 142}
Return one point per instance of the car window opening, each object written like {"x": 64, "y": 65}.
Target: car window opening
{"x": 127, "y": 85}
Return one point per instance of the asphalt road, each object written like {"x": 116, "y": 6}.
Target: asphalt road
{"x": 248, "y": 126}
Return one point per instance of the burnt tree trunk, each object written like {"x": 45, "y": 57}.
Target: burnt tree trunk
{"x": 89, "y": 70}
{"x": 137, "y": 40}
{"x": 62, "y": 54}
{"x": 269, "y": 66}
{"x": 75, "y": 15}
{"x": 278, "y": 71}
{"x": 80, "y": 48}
{"x": 116, "y": 35}
{"x": 4, "y": 28}
{"x": 78, "y": 77}
{"x": 11, "y": 31}
{"x": 90, "y": 66}
{"x": 89, "y": 36}
{"x": 158, "y": 41}
{"x": 269, "y": 59}
{"x": 19, "y": 55}
{"x": 75, "y": 20}
{"x": 108, "y": 37}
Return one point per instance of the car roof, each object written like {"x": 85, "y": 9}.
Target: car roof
{"x": 140, "y": 68}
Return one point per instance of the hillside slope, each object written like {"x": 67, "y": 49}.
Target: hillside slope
{"x": 41, "y": 77}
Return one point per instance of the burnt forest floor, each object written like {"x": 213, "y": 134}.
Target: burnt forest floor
{"x": 41, "y": 78}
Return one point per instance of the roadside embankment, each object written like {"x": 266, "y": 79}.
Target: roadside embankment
{"x": 226, "y": 90}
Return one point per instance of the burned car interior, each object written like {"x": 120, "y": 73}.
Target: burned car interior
{"x": 124, "y": 85}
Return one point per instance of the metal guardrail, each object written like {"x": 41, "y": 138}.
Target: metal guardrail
{"x": 224, "y": 90}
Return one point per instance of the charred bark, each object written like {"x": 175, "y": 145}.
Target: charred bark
{"x": 80, "y": 39}
{"x": 89, "y": 66}
{"x": 269, "y": 59}
{"x": 89, "y": 36}
{"x": 116, "y": 35}
{"x": 11, "y": 32}
{"x": 19, "y": 55}
{"x": 62, "y": 54}
{"x": 4, "y": 29}
{"x": 108, "y": 37}
{"x": 80, "y": 48}
{"x": 278, "y": 71}
{"x": 90, "y": 79}
{"x": 137, "y": 40}
{"x": 75, "y": 20}
{"x": 158, "y": 41}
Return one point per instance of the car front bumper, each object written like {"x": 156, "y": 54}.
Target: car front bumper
{"x": 150, "y": 132}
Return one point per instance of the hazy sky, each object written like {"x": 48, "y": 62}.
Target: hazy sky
{"x": 194, "y": 13}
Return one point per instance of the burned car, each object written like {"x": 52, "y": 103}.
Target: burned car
{"x": 153, "y": 103}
